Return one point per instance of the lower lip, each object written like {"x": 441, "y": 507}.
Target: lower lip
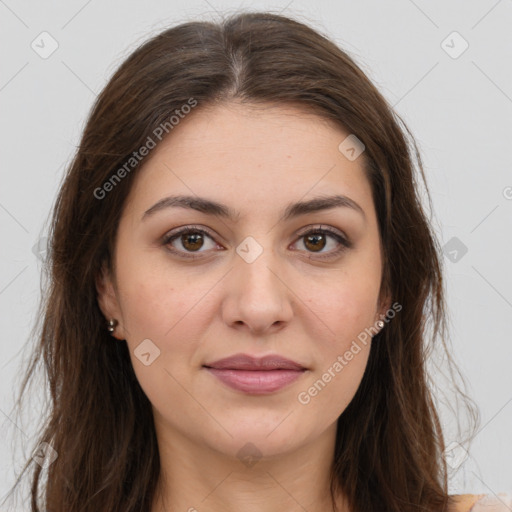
{"x": 257, "y": 382}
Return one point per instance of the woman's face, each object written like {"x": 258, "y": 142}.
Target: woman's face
{"x": 255, "y": 282}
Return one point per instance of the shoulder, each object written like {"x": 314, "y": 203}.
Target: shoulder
{"x": 482, "y": 502}
{"x": 465, "y": 502}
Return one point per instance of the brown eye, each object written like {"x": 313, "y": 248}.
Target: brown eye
{"x": 315, "y": 242}
{"x": 192, "y": 241}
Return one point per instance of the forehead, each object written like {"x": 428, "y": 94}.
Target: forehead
{"x": 251, "y": 156}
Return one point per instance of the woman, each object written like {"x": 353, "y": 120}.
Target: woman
{"x": 242, "y": 279}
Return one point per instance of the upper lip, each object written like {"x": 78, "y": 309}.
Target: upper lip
{"x": 247, "y": 362}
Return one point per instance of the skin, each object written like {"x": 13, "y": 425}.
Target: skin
{"x": 288, "y": 301}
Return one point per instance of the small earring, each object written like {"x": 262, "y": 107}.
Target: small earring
{"x": 380, "y": 324}
{"x": 112, "y": 325}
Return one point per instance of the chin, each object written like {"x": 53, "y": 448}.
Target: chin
{"x": 264, "y": 436}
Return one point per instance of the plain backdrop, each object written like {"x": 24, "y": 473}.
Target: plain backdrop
{"x": 444, "y": 66}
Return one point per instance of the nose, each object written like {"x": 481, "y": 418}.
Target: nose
{"x": 257, "y": 297}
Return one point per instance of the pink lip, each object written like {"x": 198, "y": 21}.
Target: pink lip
{"x": 247, "y": 362}
{"x": 256, "y": 375}
{"x": 256, "y": 381}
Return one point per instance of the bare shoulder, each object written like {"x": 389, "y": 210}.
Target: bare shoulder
{"x": 482, "y": 502}
{"x": 465, "y": 502}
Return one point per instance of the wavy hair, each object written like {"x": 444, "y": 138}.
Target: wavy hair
{"x": 389, "y": 451}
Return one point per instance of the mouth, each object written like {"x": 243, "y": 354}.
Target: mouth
{"x": 256, "y": 382}
{"x": 248, "y": 362}
{"x": 254, "y": 375}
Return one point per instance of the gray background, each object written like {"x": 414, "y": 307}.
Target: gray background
{"x": 459, "y": 108}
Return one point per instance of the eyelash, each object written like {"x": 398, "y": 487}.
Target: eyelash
{"x": 344, "y": 243}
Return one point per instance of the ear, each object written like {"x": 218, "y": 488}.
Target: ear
{"x": 108, "y": 301}
{"x": 384, "y": 305}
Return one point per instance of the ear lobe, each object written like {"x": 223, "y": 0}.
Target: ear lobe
{"x": 384, "y": 306}
{"x": 107, "y": 299}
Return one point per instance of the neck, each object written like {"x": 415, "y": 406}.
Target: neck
{"x": 198, "y": 478}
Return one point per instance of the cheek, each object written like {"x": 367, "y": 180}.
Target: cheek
{"x": 343, "y": 305}
{"x": 159, "y": 321}
{"x": 347, "y": 305}
{"x": 156, "y": 303}
{"x": 169, "y": 310}
{"x": 338, "y": 375}
{"x": 331, "y": 388}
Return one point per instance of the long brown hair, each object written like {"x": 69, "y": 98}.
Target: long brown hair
{"x": 389, "y": 452}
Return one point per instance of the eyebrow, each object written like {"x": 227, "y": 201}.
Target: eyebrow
{"x": 217, "y": 209}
